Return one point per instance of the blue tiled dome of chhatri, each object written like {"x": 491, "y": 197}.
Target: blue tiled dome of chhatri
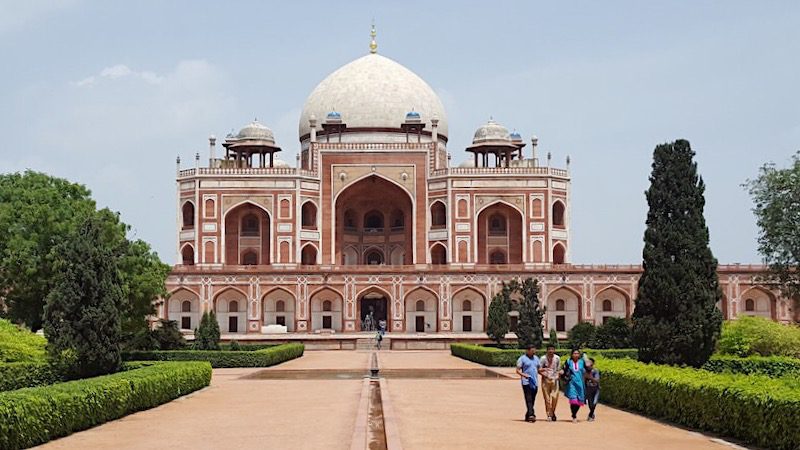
{"x": 334, "y": 115}
{"x": 515, "y": 136}
{"x": 412, "y": 115}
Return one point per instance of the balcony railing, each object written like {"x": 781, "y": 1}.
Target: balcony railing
{"x": 292, "y": 171}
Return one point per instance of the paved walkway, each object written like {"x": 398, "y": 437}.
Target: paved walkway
{"x": 481, "y": 413}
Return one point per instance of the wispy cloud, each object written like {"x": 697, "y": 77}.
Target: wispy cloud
{"x": 117, "y": 72}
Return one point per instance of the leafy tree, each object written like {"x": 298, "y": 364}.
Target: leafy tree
{"x": 775, "y": 194}
{"x": 529, "y": 329}
{"x": 497, "y": 322}
{"x": 206, "y": 336}
{"x": 581, "y": 335}
{"x": 553, "y": 340}
{"x": 37, "y": 212}
{"x": 614, "y": 333}
{"x": 168, "y": 335}
{"x": 82, "y": 319}
{"x": 143, "y": 277}
{"x": 676, "y": 320}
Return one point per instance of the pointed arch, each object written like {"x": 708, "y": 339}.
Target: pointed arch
{"x": 308, "y": 254}
{"x": 438, "y": 212}
{"x": 187, "y": 215}
{"x": 563, "y": 320}
{"x": 187, "y": 254}
{"x": 619, "y": 303}
{"x": 229, "y": 248}
{"x": 559, "y": 214}
{"x": 424, "y": 319}
{"x": 272, "y": 314}
{"x": 765, "y": 302}
{"x": 438, "y": 253}
{"x": 308, "y": 214}
{"x": 559, "y": 253}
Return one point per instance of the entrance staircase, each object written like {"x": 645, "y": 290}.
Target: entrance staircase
{"x": 369, "y": 343}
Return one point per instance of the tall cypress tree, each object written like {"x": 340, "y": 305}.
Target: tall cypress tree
{"x": 529, "y": 330}
{"x": 676, "y": 320}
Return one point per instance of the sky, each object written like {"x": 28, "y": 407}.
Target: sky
{"x": 107, "y": 94}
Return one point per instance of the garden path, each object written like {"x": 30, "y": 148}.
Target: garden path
{"x": 429, "y": 413}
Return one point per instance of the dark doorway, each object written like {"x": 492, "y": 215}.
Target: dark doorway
{"x": 466, "y": 323}
{"x": 281, "y": 320}
{"x": 512, "y": 323}
{"x": 233, "y": 324}
{"x": 561, "y": 323}
{"x": 327, "y": 322}
{"x": 186, "y": 323}
{"x": 373, "y": 311}
{"x": 419, "y": 326}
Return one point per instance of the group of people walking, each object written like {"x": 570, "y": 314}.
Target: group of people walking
{"x": 578, "y": 374}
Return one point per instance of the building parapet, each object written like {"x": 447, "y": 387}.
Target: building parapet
{"x": 538, "y": 170}
{"x": 290, "y": 171}
{"x": 373, "y": 145}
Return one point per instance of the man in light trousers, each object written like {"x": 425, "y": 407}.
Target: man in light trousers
{"x": 549, "y": 367}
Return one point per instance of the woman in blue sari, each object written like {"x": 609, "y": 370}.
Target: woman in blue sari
{"x": 574, "y": 390}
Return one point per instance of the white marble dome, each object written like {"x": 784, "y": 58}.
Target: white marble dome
{"x": 373, "y": 92}
{"x": 492, "y": 132}
{"x": 279, "y": 163}
{"x": 255, "y": 130}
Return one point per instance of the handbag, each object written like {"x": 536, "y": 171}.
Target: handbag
{"x": 566, "y": 373}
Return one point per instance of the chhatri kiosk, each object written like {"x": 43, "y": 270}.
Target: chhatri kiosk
{"x": 373, "y": 224}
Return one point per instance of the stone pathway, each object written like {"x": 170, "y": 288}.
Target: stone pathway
{"x": 429, "y": 413}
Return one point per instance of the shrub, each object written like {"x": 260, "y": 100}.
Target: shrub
{"x": 771, "y": 366}
{"x": 747, "y": 336}
{"x": 581, "y": 335}
{"x": 18, "y": 344}
{"x": 756, "y": 409}
{"x": 33, "y": 416}
{"x": 553, "y": 340}
{"x": 246, "y": 347}
{"x": 496, "y": 357}
{"x": 220, "y": 358}
{"x": 20, "y": 375}
{"x": 168, "y": 335}
{"x": 206, "y": 337}
{"x": 615, "y": 333}
{"x": 234, "y": 346}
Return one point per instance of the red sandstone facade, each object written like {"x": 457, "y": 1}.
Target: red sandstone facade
{"x": 374, "y": 219}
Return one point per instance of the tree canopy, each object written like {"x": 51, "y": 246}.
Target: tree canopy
{"x": 776, "y": 198}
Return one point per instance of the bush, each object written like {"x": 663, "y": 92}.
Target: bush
{"x": 748, "y": 336}
{"x": 497, "y": 322}
{"x": 18, "y": 344}
{"x": 495, "y": 357}
{"x": 168, "y": 335}
{"x": 246, "y": 347}
{"x": 581, "y": 335}
{"x": 553, "y": 340}
{"x": 33, "y": 416}
{"x": 771, "y": 366}
{"x": 615, "y": 333}
{"x": 220, "y": 358}
{"x": 20, "y": 375}
{"x": 234, "y": 346}
{"x": 756, "y": 409}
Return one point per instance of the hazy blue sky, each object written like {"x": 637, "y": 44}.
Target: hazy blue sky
{"x": 108, "y": 93}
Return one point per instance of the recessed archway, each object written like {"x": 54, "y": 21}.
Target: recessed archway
{"x": 468, "y": 310}
{"x": 247, "y": 232}
{"x": 373, "y": 214}
{"x": 500, "y": 235}
{"x": 421, "y": 311}
{"x": 373, "y": 307}
{"x": 278, "y": 307}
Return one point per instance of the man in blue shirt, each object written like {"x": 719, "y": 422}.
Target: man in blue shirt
{"x": 527, "y": 369}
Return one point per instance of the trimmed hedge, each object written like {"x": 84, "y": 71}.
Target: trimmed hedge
{"x": 18, "y": 344}
{"x": 246, "y": 347}
{"x": 221, "y": 358}
{"x": 20, "y": 375}
{"x": 491, "y": 356}
{"x": 36, "y": 415}
{"x": 771, "y": 366}
{"x": 754, "y": 408}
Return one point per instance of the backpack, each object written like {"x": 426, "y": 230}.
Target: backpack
{"x": 566, "y": 373}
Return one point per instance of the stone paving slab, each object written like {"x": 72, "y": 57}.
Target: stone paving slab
{"x": 488, "y": 414}
{"x": 424, "y": 359}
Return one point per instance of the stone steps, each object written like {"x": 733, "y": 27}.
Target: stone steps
{"x": 369, "y": 343}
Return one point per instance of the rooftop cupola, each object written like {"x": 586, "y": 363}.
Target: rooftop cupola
{"x": 253, "y": 139}
{"x": 493, "y": 138}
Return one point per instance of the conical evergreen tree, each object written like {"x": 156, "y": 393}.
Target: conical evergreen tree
{"x": 529, "y": 330}
{"x": 497, "y": 323}
{"x": 82, "y": 315}
{"x": 676, "y": 320}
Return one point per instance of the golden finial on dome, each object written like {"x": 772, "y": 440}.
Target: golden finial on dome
{"x": 373, "y": 46}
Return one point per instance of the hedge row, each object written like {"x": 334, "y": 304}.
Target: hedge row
{"x": 222, "y": 358}
{"x": 36, "y": 415}
{"x": 18, "y": 344}
{"x": 754, "y": 408}
{"x": 246, "y": 347}
{"x": 491, "y": 356}
{"x": 20, "y": 375}
{"x": 772, "y": 366}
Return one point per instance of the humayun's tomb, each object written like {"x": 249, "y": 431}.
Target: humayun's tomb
{"x": 373, "y": 224}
